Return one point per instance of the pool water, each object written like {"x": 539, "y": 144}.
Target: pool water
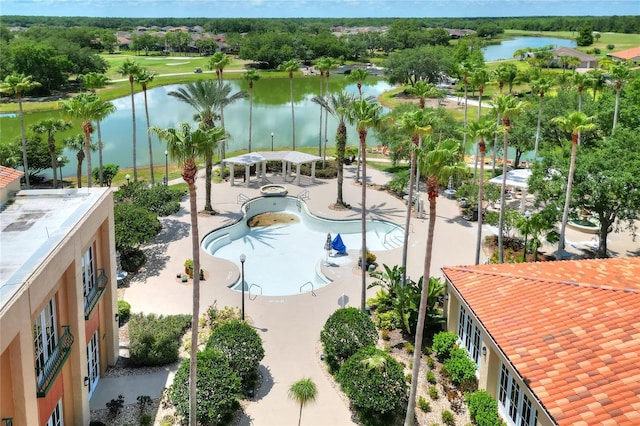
{"x": 285, "y": 259}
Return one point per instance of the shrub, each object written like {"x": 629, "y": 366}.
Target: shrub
{"x": 459, "y": 367}
{"x": 430, "y": 362}
{"x": 242, "y": 347}
{"x": 408, "y": 378}
{"x": 424, "y": 404}
{"x": 154, "y": 340}
{"x": 145, "y": 419}
{"x": 388, "y": 320}
{"x": 431, "y": 378}
{"x": 218, "y": 387}
{"x": 483, "y": 409}
{"x": 447, "y": 418}
{"x": 132, "y": 259}
{"x": 216, "y": 317}
{"x": 375, "y": 384}
{"x": 433, "y": 392}
{"x": 346, "y": 331}
{"x": 408, "y": 347}
{"x": 115, "y": 405}
{"x": 124, "y": 312}
{"x": 443, "y": 344}
{"x": 159, "y": 199}
{"x": 385, "y": 334}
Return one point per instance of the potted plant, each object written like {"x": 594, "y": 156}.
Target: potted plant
{"x": 370, "y": 259}
{"x": 188, "y": 267}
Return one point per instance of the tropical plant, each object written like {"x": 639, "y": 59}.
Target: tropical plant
{"x": 403, "y": 295}
{"x": 76, "y": 143}
{"x": 358, "y": 75}
{"x": 251, "y": 76}
{"x": 505, "y": 73}
{"x": 479, "y": 78}
{"x": 443, "y": 343}
{"x": 574, "y": 123}
{"x": 92, "y": 81}
{"x": 483, "y": 408}
{"x": 130, "y": 68}
{"x": 50, "y": 127}
{"x": 218, "y": 62}
{"x": 186, "y": 145}
{"x": 290, "y": 67}
{"x": 620, "y": 73}
{"x": 539, "y": 86}
{"x": 303, "y": 392}
{"x": 144, "y": 77}
{"x": 459, "y": 367}
{"x": 17, "y": 85}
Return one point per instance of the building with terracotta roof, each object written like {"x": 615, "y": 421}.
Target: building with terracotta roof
{"x": 58, "y": 303}
{"x": 9, "y": 183}
{"x": 632, "y": 55}
{"x": 556, "y": 343}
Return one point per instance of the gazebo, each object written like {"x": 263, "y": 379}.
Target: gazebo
{"x": 287, "y": 158}
{"x": 516, "y": 178}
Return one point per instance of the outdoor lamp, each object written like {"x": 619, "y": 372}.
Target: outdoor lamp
{"x": 60, "y": 165}
{"x": 127, "y": 177}
{"x": 271, "y": 141}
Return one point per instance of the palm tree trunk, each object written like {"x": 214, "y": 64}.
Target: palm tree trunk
{"x": 407, "y": 221}
{"x": 146, "y": 111}
{"x": 195, "y": 247}
{"x": 250, "y": 114}
{"x": 567, "y": 201}
{"x": 23, "y": 133}
{"x": 475, "y": 167}
{"x": 495, "y": 150}
{"x": 480, "y": 202}
{"x": 54, "y": 160}
{"x": 615, "y": 111}
{"x": 293, "y": 118}
{"x": 300, "y": 415}
{"x": 363, "y": 261}
{"x": 133, "y": 115}
{"x": 502, "y": 200}
{"x": 535, "y": 151}
{"x": 100, "y": 177}
{"x": 326, "y": 122}
{"x": 464, "y": 124}
{"x": 320, "y": 130}
{"x": 80, "y": 157}
{"x": 341, "y": 141}
{"x": 87, "y": 147}
{"x": 208, "y": 169}
{"x": 432, "y": 190}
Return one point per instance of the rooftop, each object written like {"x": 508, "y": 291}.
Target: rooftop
{"x": 33, "y": 226}
{"x": 632, "y": 53}
{"x": 570, "y": 328}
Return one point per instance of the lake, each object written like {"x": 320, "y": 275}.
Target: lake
{"x": 505, "y": 49}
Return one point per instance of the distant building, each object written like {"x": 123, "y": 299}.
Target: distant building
{"x": 632, "y": 55}
{"x": 586, "y": 60}
{"x": 556, "y": 343}
{"x": 58, "y": 310}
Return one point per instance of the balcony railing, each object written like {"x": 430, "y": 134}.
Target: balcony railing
{"x": 7, "y": 422}
{"x": 52, "y": 367}
{"x": 96, "y": 293}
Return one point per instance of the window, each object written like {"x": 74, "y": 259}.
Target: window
{"x": 45, "y": 336}
{"x": 88, "y": 274}
{"x": 56, "y": 416}
{"x": 469, "y": 334}
{"x": 515, "y": 406}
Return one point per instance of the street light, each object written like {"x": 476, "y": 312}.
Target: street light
{"x": 271, "y": 141}
{"x": 527, "y": 216}
{"x": 60, "y": 165}
{"x": 242, "y": 259}
{"x": 166, "y": 168}
{"x": 127, "y": 177}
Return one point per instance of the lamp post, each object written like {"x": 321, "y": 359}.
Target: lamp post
{"x": 527, "y": 216}
{"x": 166, "y": 168}
{"x": 127, "y": 177}
{"x": 242, "y": 259}
{"x": 60, "y": 166}
{"x": 271, "y": 141}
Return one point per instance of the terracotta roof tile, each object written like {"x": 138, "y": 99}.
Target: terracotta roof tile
{"x": 572, "y": 328}
{"x": 8, "y": 175}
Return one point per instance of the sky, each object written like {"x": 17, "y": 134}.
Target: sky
{"x": 318, "y": 8}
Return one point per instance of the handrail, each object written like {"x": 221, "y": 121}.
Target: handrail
{"x": 308, "y": 283}
{"x": 241, "y": 198}
{"x": 304, "y": 195}
{"x": 250, "y": 287}
{"x": 95, "y": 294}
{"x": 384, "y": 239}
{"x": 54, "y": 363}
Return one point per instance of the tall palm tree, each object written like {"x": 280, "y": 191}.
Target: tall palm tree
{"x": 144, "y": 77}
{"x": 290, "y": 67}
{"x": 481, "y": 130}
{"x": 358, "y": 75}
{"x": 539, "y": 87}
{"x": 251, "y": 76}
{"x": 463, "y": 70}
{"x": 76, "y": 143}
{"x": 338, "y": 106}
{"x": 303, "y": 392}
{"x": 331, "y": 64}
{"x": 323, "y": 65}
{"x": 187, "y": 145}
{"x": 50, "y": 127}
{"x": 505, "y": 73}
{"x": 507, "y": 106}
{"x": 479, "y": 78}
{"x": 17, "y": 85}
{"x": 597, "y": 80}
{"x": 579, "y": 81}
{"x": 92, "y": 81}
{"x": 438, "y": 161}
{"x": 620, "y": 74}
{"x": 103, "y": 110}
{"x": 366, "y": 115}
{"x": 574, "y": 123}
{"x": 423, "y": 90}
{"x": 219, "y": 62}
{"x": 130, "y": 68}
{"x": 84, "y": 106}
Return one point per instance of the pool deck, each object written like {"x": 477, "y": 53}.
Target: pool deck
{"x": 290, "y": 325}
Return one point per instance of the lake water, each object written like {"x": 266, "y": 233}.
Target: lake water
{"x": 505, "y": 49}
{"x": 271, "y": 114}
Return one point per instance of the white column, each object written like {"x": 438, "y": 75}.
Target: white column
{"x": 313, "y": 172}
{"x": 298, "y": 174}
{"x": 284, "y": 169}
{"x": 231, "y": 174}
{"x": 264, "y": 171}
{"x": 247, "y": 175}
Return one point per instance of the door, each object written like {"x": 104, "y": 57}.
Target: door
{"x": 93, "y": 362}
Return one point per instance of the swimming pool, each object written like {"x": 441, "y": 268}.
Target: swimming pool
{"x": 282, "y": 259}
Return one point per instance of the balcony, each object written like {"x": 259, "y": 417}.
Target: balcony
{"x": 54, "y": 364}
{"x": 92, "y": 299}
{"x": 7, "y": 422}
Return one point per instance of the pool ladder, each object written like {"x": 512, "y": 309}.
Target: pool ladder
{"x": 306, "y": 284}
{"x": 242, "y": 198}
{"x": 255, "y": 295}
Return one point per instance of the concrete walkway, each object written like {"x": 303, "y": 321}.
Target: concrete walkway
{"x": 289, "y": 326}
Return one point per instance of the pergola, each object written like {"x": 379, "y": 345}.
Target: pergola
{"x": 516, "y": 178}
{"x": 287, "y": 158}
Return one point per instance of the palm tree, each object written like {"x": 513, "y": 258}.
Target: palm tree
{"x": 186, "y": 145}
{"x": 218, "y": 62}
{"x": 76, "y": 143}
{"x": 479, "y": 78}
{"x": 323, "y": 65}
{"x": 251, "y": 76}
{"x": 50, "y": 127}
{"x": 481, "y": 130}
{"x": 85, "y": 106}
{"x": 438, "y": 161}
{"x": 358, "y": 75}
{"x": 16, "y": 85}
{"x": 505, "y": 73}
{"x": 145, "y": 77}
{"x": 423, "y": 90}
{"x": 289, "y": 67}
{"x": 131, "y": 68}
{"x": 331, "y": 64}
{"x": 580, "y": 80}
{"x": 365, "y": 114}
{"x": 338, "y": 106}
{"x": 620, "y": 74}
{"x": 539, "y": 86}
{"x": 303, "y": 392}
{"x": 92, "y": 81}
{"x": 574, "y": 123}
{"x": 597, "y": 80}
{"x": 508, "y": 107}
{"x": 464, "y": 70}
